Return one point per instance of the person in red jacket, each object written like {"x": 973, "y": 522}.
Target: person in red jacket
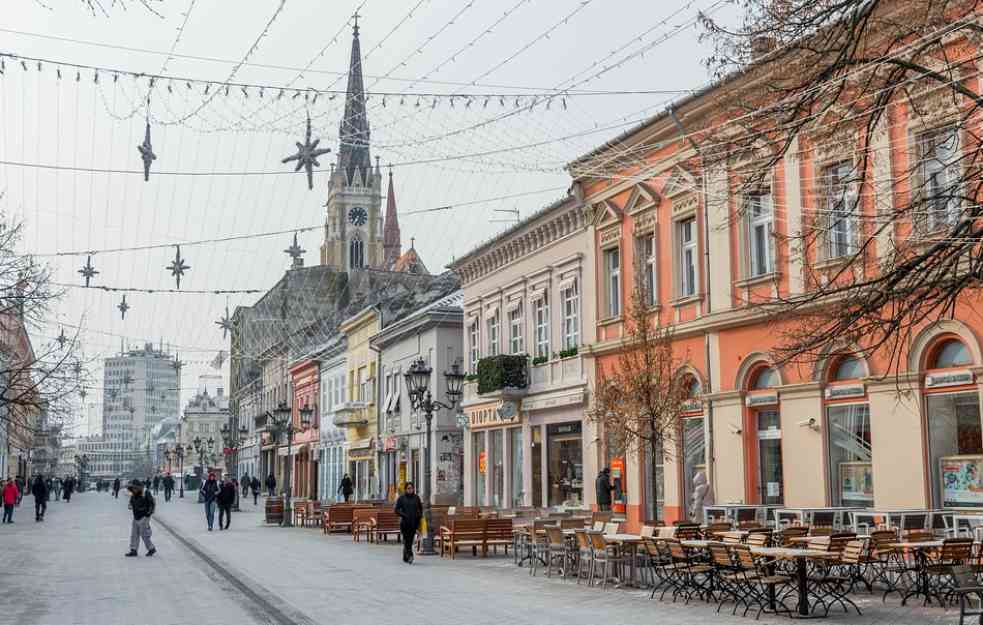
{"x": 10, "y": 494}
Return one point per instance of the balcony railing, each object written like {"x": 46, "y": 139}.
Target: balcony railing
{"x": 557, "y": 372}
{"x": 503, "y": 373}
{"x": 351, "y": 414}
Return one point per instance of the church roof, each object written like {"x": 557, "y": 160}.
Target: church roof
{"x": 391, "y": 243}
{"x": 353, "y": 134}
{"x": 410, "y": 262}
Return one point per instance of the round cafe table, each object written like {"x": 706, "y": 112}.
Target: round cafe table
{"x": 802, "y": 581}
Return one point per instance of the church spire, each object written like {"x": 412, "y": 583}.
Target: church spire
{"x": 391, "y": 246}
{"x": 353, "y": 153}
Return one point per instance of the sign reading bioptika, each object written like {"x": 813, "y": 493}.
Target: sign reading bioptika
{"x": 495, "y": 414}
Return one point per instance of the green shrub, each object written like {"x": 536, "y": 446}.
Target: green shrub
{"x": 503, "y": 371}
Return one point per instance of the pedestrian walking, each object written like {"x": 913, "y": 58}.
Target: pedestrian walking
{"x": 69, "y": 487}
{"x": 50, "y": 487}
{"x": 116, "y": 488}
{"x": 209, "y": 494}
{"x": 57, "y": 485}
{"x": 156, "y": 484}
{"x": 226, "y": 497}
{"x": 246, "y": 481}
{"x": 143, "y": 505}
{"x": 255, "y": 486}
{"x": 40, "y": 492}
{"x": 346, "y": 488}
{"x": 271, "y": 485}
{"x": 603, "y": 489}
{"x": 168, "y": 486}
{"x": 21, "y": 488}
{"x": 409, "y": 507}
{"x": 9, "y": 496}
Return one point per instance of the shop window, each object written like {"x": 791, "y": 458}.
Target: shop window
{"x": 497, "y": 465}
{"x": 955, "y": 448}
{"x": 566, "y": 464}
{"x": 851, "y": 471}
{"x": 770, "y": 470}
{"x": 694, "y": 457}
{"x": 480, "y": 467}
{"x": 951, "y": 353}
{"x": 516, "y": 456}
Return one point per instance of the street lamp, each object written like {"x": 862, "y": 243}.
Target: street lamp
{"x": 230, "y": 439}
{"x": 179, "y": 451}
{"x": 282, "y": 423}
{"x": 417, "y": 385}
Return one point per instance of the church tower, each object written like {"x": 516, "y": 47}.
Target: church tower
{"x": 392, "y": 248}
{"x": 353, "y": 233}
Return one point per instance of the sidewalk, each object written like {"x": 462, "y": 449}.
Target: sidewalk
{"x": 70, "y": 570}
{"x": 331, "y": 579}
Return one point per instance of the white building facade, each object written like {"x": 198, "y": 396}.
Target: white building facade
{"x": 333, "y": 374}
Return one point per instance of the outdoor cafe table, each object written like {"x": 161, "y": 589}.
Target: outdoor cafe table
{"x": 628, "y": 543}
{"x": 921, "y": 562}
{"x": 802, "y": 581}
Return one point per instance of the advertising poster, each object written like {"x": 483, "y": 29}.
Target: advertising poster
{"x": 961, "y": 481}
{"x": 857, "y": 482}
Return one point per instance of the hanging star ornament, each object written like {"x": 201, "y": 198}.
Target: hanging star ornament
{"x": 77, "y": 368}
{"x": 82, "y": 393}
{"x": 225, "y": 323}
{"x": 146, "y": 153}
{"x": 306, "y": 156}
{"x": 62, "y": 339}
{"x": 177, "y": 267}
{"x": 123, "y": 307}
{"x": 88, "y": 271}
{"x": 177, "y": 364}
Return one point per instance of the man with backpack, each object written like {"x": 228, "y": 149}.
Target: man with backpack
{"x": 143, "y": 505}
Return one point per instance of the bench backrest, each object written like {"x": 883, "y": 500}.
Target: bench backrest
{"x": 386, "y": 519}
{"x": 470, "y": 527}
{"x": 498, "y": 528}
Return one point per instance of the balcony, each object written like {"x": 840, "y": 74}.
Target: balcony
{"x": 351, "y": 414}
{"x": 503, "y": 376}
{"x": 557, "y": 373}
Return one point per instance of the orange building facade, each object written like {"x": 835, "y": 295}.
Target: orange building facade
{"x": 305, "y": 384}
{"x": 843, "y": 431}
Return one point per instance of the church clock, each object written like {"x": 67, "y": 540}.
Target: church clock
{"x": 358, "y": 216}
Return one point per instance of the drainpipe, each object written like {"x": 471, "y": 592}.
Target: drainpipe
{"x": 707, "y": 274}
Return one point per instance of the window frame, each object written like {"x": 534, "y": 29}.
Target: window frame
{"x": 612, "y": 281}
{"x": 765, "y": 220}
{"x": 928, "y": 222}
{"x": 474, "y": 334}
{"x": 516, "y": 335}
{"x": 570, "y": 306}
{"x": 541, "y": 318}
{"x": 493, "y": 324}
{"x": 841, "y": 205}
{"x": 685, "y": 288}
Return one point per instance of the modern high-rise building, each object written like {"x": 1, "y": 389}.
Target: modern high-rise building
{"x": 141, "y": 387}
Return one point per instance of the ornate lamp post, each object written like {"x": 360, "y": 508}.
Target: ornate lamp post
{"x": 417, "y": 385}
{"x": 179, "y": 452}
{"x": 282, "y": 423}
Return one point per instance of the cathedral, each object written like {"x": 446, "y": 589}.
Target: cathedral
{"x": 355, "y": 234}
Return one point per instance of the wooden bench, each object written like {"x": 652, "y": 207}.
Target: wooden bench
{"x": 338, "y": 517}
{"x": 498, "y": 532}
{"x": 383, "y": 525}
{"x": 462, "y": 533}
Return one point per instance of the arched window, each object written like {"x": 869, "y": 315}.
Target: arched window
{"x": 849, "y": 368}
{"x": 694, "y": 390}
{"x": 356, "y": 254}
{"x": 765, "y": 378}
{"x": 951, "y": 353}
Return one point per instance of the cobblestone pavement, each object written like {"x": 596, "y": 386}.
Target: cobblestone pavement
{"x": 70, "y": 570}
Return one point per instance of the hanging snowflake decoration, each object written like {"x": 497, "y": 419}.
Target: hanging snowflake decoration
{"x": 62, "y": 339}
{"x": 225, "y": 323}
{"x": 177, "y": 364}
{"x": 88, "y": 271}
{"x": 146, "y": 153}
{"x": 306, "y": 156}
{"x": 123, "y": 307}
{"x": 177, "y": 267}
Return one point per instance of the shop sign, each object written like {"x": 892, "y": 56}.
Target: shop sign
{"x": 492, "y": 415}
{"x": 949, "y": 378}
{"x": 569, "y": 399}
{"x": 842, "y": 391}
{"x": 961, "y": 481}
{"x": 761, "y": 399}
{"x": 770, "y": 434}
{"x": 560, "y": 429}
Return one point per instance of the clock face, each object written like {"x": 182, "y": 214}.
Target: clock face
{"x": 358, "y": 216}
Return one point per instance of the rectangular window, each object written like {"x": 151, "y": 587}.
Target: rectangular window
{"x": 362, "y": 383}
{"x": 515, "y": 454}
{"x": 480, "y": 467}
{"x": 760, "y": 227}
{"x": 542, "y": 327}
{"x": 939, "y": 156}
{"x": 850, "y": 459}
{"x": 612, "y": 281}
{"x": 686, "y": 237}
{"x": 515, "y": 330}
{"x": 647, "y": 267}
{"x": 475, "y": 346}
{"x": 571, "y": 316}
{"x": 493, "y": 334}
{"x": 841, "y": 211}
{"x": 954, "y": 432}
{"x": 497, "y": 466}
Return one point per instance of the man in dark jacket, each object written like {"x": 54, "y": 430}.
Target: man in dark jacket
{"x": 271, "y": 485}
{"x": 345, "y": 488}
{"x": 116, "y": 488}
{"x": 226, "y": 497}
{"x": 409, "y": 507}
{"x": 168, "y": 482}
{"x": 246, "y": 481}
{"x": 156, "y": 484}
{"x": 255, "y": 486}
{"x": 143, "y": 505}
{"x": 40, "y": 492}
{"x": 209, "y": 495}
{"x": 69, "y": 488}
{"x": 604, "y": 488}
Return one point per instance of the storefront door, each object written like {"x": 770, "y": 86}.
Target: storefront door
{"x": 694, "y": 458}
{"x": 566, "y": 464}
{"x": 770, "y": 482}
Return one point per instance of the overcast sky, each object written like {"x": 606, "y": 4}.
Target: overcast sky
{"x": 478, "y": 148}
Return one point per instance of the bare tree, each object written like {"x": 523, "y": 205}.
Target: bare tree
{"x": 638, "y": 403}
{"x": 882, "y": 98}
